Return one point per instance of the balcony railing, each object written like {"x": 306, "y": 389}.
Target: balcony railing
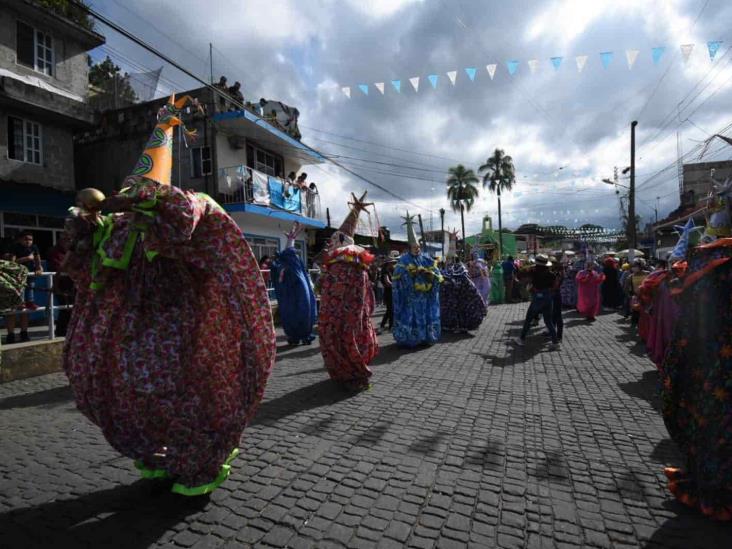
{"x": 243, "y": 185}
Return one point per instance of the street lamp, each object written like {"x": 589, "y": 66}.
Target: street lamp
{"x": 442, "y": 231}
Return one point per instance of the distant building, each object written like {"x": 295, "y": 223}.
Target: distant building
{"x": 43, "y": 101}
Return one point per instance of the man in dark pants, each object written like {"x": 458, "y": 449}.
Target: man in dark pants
{"x": 387, "y": 270}
{"x": 542, "y": 282}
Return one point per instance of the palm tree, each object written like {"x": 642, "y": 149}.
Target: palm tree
{"x": 461, "y": 191}
{"x": 499, "y": 175}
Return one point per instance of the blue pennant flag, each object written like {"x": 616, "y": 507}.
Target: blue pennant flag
{"x": 433, "y": 80}
{"x": 364, "y": 88}
{"x": 713, "y": 48}
{"x": 557, "y": 62}
{"x": 658, "y": 53}
{"x": 397, "y": 85}
{"x": 607, "y": 57}
{"x": 470, "y": 71}
{"x": 512, "y": 67}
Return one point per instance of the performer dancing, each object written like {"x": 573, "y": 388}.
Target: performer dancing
{"x": 480, "y": 275}
{"x": 416, "y": 295}
{"x": 347, "y": 338}
{"x": 171, "y": 340}
{"x": 588, "y": 291}
{"x": 462, "y": 308}
{"x": 294, "y": 290}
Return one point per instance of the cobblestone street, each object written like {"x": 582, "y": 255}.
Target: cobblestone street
{"x": 471, "y": 442}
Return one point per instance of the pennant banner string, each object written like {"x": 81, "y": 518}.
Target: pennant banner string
{"x": 452, "y": 75}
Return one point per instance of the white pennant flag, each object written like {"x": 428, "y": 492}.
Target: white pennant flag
{"x": 380, "y": 87}
{"x": 491, "y": 70}
{"x": 414, "y": 81}
{"x": 533, "y": 65}
{"x": 347, "y": 90}
{"x": 686, "y": 51}
{"x": 581, "y": 60}
{"x": 452, "y": 75}
{"x": 631, "y": 56}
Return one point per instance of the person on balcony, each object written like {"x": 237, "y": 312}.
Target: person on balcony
{"x": 236, "y": 96}
{"x": 312, "y": 200}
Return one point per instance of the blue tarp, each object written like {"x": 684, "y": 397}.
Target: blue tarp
{"x": 277, "y": 196}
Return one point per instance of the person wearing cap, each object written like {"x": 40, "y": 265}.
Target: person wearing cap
{"x": 589, "y": 280}
{"x": 387, "y": 272}
{"x": 347, "y": 338}
{"x": 542, "y": 282}
{"x": 171, "y": 341}
{"x": 416, "y": 295}
{"x": 293, "y": 288}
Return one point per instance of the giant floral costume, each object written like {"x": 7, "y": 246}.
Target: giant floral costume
{"x": 462, "y": 308}
{"x": 171, "y": 340}
{"x": 480, "y": 275}
{"x": 589, "y": 301}
{"x": 347, "y": 337}
{"x": 416, "y": 295}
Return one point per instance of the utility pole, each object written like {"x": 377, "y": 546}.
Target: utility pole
{"x": 632, "y": 236}
{"x": 421, "y": 230}
{"x": 442, "y": 231}
{"x": 210, "y": 60}
{"x": 500, "y": 225}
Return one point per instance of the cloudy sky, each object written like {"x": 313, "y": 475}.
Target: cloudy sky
{"x": 565, "y": 129}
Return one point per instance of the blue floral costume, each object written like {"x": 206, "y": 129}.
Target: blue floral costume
{"x": 416, "y": 294}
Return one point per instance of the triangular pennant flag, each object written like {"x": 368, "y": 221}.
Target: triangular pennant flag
{"x": 397, "y": 85}
{"x": 657, "y": 53}
{"x": 631, "y": 56}
{"x": 557, "y": 62}
{"x": 347, "y": 91}
{"x": 581, "y": 62}
{"x": 533, "y": 65}
{"x": 433, "y": 80}
{"x": 452, "y": 75}
{"x": 470, "y": 71}
{"x": 686, "y": 50}
{"x": 364, "y": 88}
{"x": 512, "y": 67}
{"x": 607, "y": 57}
{"x": 414, "y": 81}
{"x": 380, "y": 87}
{"x": 491, "y": 70}
{"x": 713, "y": 47}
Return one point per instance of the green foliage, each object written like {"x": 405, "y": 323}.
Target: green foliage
{"x": 461, "y": 187}
{"x": 70, "y": 10}
{"x": 106, "y": 76}
{"x": 498, "y": 172}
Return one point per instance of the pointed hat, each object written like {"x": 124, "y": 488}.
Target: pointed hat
{"x": 682, "y": 246}
{"x": 348, "y": 227}
{"x": 156, "y": 161}
{"x": 409, "y": 222}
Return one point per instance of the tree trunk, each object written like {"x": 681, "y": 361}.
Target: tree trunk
{"x": 500, "y": 226}
{"x": 462, "y": 219}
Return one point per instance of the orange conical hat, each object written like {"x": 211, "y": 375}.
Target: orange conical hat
{"x": 156, "y": 161}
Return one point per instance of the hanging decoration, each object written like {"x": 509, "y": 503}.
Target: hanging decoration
{"x": 397, "y": 85}
{"x": 581, "y": 62}
{"x": 512, "y": 67}
{"x": 557, "y": 62}
{"x": 470, "y": 71}
{"x": 631, "y": 56}
{"x": 533, "y": 65}
{"x": 347, "y": 91}
{"x": 713, "y": 47}
{"x": 414, "y": 81}
{"x": 491, "y": 70}
{"x": 686, "y": 50}
{"x": 433, "y": 80}
{"x": 657, "y": 53}
{"x": 606, "y": 57}
{"x": 364, "y": 88}
{"x": 379, "y": 86}
{"x": 452, "y": 75}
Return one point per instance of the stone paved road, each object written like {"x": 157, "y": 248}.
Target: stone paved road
{"x": 468, "y": 443}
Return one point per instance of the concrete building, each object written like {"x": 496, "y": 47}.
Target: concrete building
{"x": 43, "y": 90}
{"x": 234, "y": 150}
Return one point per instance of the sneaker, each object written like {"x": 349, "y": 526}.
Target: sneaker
{"x": 554, "y": 346}
{"x": 10, "y": 339}
{"x": 31, "y": 306}
{"x": 518, "y": 341}
{"x": 24, "y": 336}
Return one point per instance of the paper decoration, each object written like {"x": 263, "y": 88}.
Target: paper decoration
{"x": 470, "y": 71}
{"x": 379, "y": 86}
{"x": 414, "y": 81}
{"x": 657, "y": 53}
{"x": 491, "y": 70}
{"x": 364, "y": 88}
{"x": 397, "y": 85}
{"x": 606, "y": 57}
{"x": 686, "y": 50}
{"x": 512, "y": 67}
{"x": 452, "y": 75}
{"x": 713, "y": 47}
{"x": 260, "y": 188}
{"x": 533, "y": 65}
{"x": 631, "y": 56}
{"x": 581, "y": 62}
{"x": 433, "y": 80}
{"x": 557, "y": 62}
{"x": 347, "y": 91}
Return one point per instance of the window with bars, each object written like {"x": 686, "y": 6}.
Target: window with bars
{"x": 34, "y": 49}
{"x": 262, "y": 246}
{"x": 24, "y": 140}
{"x": 264, "y": 161}
{"x": 201, "y": 161}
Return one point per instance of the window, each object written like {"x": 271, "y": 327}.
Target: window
{"x": 201, "y": 161}
{"x": 24, "y": 140}
{"x": 300, "y": 249}
{"x": 34, "y": 49}
{"x": 264, "y": 161}
{"x": 262, "y": 246}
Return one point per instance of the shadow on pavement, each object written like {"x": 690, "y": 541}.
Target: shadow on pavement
{"x": 321, "y": 393}
{"x": 690, "y": 529}
{"x": 373, "y": 435}
{"x": 309, "y": 371}
{"x": 646, "y": 388}
{"x": 308, "y": 350}
{"x": 47, "y": 399}
{"x": 667, "y": 453}
{"x": 390, "y": 353}
{"x": 132, "y": 516}
{"x": 429, "y": 444}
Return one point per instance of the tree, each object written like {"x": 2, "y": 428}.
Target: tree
{"x": 499, "y": 175}
{"x": 461, "y": 191}
{"x": 107, "y": 78}
{"x": 73, "y": 10}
